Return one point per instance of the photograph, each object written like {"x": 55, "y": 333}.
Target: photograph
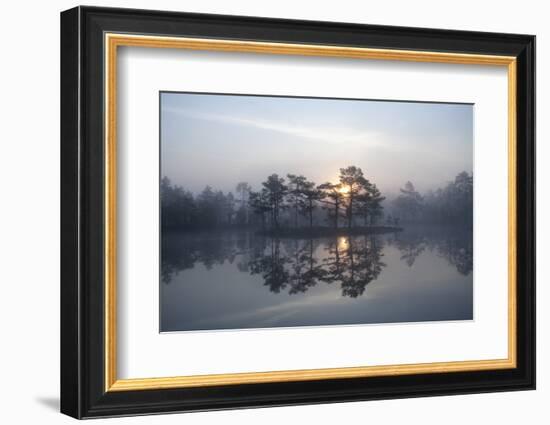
{"x": 283, "y": 210}
{"x": 279, "y": 211}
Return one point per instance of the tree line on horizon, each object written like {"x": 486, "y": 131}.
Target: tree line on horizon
{"x": 280, "y": 202}
{"x": 452, "y": 203}
{"x": 296, "y": 202}
{"x": 305, "y": 259}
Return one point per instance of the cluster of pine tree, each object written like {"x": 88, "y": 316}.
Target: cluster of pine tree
{"x": 292, "y": 202}
{"x": 353, "y": 197}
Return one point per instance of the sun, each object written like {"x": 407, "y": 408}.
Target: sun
{"x": 344, "y": 190}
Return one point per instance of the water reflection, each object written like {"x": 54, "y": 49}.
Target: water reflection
{"x": 455, "y": 245}
{"x": 235, "y": 280}
{"x": 295, "y": 265}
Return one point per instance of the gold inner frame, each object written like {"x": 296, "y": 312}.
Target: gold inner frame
{"x": 113, "y": 41}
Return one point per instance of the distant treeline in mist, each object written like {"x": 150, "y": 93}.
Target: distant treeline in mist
{"x": 290, "y": 202}
{"x": 452, "y": 203}
{"x": 296, "y": 202}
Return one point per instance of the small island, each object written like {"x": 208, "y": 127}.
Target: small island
{"x": 291, "y": 207}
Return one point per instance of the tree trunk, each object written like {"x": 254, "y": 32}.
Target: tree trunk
{"x": 350, "y": 211}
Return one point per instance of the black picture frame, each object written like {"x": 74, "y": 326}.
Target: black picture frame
{"x": 83, "y": 392}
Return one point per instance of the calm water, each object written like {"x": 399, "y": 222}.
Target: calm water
{"x": 235, "y": 280}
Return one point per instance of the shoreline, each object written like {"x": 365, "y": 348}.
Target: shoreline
{"x": 290, "y": 232}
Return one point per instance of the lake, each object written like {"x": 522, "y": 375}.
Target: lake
{"x": 241, "y": 280}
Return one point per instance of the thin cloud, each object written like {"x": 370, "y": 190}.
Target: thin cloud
{"x": 334, "y": 135}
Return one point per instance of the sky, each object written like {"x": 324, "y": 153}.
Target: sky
{"x": 220, "y": 140}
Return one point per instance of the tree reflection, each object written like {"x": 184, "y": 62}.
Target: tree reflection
{"x": 409, "y": 247}
{"x": 272, "y": 267}
{"x": 305, "y": 270}
{"x": 183, "y": 252}
{"x": 455, "y": 245}
{"x": 298, "y": 265}
{"x": 460, "y": 255}
{"x": 287, "y": 265}
{"x": 290, "y": 265}
{"x": 353, "y": 262}
{"x": 294, "y": 265}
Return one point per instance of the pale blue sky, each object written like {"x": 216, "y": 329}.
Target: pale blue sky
{"x": 219, "y": 140}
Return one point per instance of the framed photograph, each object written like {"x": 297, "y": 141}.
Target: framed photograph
{"x": 261, "y": 212}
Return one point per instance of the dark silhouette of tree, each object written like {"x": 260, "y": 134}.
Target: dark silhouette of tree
{"x": 311, "y": 195}
{"x": 260, "y": 204}
{"x": 331, "y": 196}
{"x": 363, "y": 203}
{"x": 369, "y": 203}
{"x": 178, "y": 208}
{"x": 353, "y": 183}
{"x": 276, "y": 191}
{"x": 295, "y": 194}
{"x": 374, "y": 204}
{"x": 277, "y": 204}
